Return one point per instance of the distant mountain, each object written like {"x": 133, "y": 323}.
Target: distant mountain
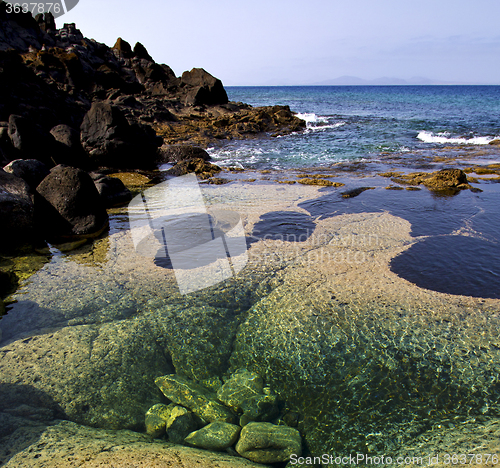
{"x": 347, "y": 80}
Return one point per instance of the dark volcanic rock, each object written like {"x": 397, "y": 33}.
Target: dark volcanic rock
{"x": 112, "y": 190}
{"x": 31, "y": 171}
{"x": 203, "y": 88}
{"x": 111, "y": 141}
{"x": 141, "y": 52}
{"x": 31, "y": 141}
{"x": 123, "y": 48}
{"x": 69, "y": 204}
{"x": 175, "y": 153}
{"x": 69, "y": 148}
{"x": 16, "y": 210}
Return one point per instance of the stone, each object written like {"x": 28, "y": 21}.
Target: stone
{"x": 156, "y": 420}
{"x": 16, "y": 210}
{"x": 200, "y": 167}
{"x": 141, "y": 52}
{"x": 240, "y": 387}
{"x": 199, "y": 400}
{"x": 259, "y": 408}
{"x": 216, "y": 436}
{"x": 111, "y": 190}
{"x": 176, "y": 153}
{"x": 267, "y": 443}
{"x": 69, "y": 204}
{"x": 203, "y": 88}
{"x": 445, "y": 179}
{"x": 67, "y": 136}
{"x": 110, "y": 140}
{"x": 179, "y": 424}
{"x": 123, "y": 48}
{"x": 31, "y": 171}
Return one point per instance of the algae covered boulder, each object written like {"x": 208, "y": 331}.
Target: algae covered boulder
{"x": 216, "y": 436}
{"x": 179, "y": 424}
{"x": 245, "y": 393}
{"x": 198, "y": 399}
{"x": 156, "y": 420}
{"x": 267, "y": 443}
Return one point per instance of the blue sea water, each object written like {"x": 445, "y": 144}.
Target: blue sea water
{"x": 365, "y": 122}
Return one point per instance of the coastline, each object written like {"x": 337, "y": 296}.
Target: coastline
{"x": 326, "y": 305}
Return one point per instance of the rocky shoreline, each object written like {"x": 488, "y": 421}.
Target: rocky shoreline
{"x": 76, "y": 109}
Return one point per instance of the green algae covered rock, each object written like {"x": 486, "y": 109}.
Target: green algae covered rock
{"x": 242, "y": 386}
{"x": 198, "y": 399}
{"x": 179, "y": 424}
{"x": 267, "y": 443}
{"x": 156, "y": 420}
{"x": 216, "y": 436}
{"x": 244, "y": 392}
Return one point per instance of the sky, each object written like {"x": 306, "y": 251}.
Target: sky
{"x": 277, "y": 42}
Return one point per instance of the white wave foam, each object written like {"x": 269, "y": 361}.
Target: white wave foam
{"x": 316, "y": 123}
{"x": 445, "y": 138}
{"x": 311, "y": 118}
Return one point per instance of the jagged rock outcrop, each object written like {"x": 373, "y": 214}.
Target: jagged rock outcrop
{"x": 203, "y": 88}
{"x": 54, "y": 75}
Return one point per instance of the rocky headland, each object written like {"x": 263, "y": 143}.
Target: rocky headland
{"x": 73, "y": 110}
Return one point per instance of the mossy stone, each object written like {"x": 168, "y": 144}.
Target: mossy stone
{"x": 198, "y": 399}
{"x": 216, "y": 436}
{"x": 267, "y": 443}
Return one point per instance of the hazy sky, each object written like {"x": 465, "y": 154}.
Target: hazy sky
{"x": 278, "y": 42}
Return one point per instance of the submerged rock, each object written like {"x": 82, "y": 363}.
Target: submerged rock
{"x": 156, "y": 420}
{"x": 179, "y": 424}
{"x": 242, "y": 386}
{"x": 216, "y": 436}
{"x": 267, "y": 443}
{"x": 199, "y": 400}
{"x": 444, "y": 179}
{"x": 37, "y": 445}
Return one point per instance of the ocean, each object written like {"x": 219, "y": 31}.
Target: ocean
{"x": 346, "y": 123}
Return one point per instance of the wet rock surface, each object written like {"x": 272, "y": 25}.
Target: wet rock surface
{"x": 267, "y": 443}
{"x": 215, "y": 436}
{"x": 195, "y": 397}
